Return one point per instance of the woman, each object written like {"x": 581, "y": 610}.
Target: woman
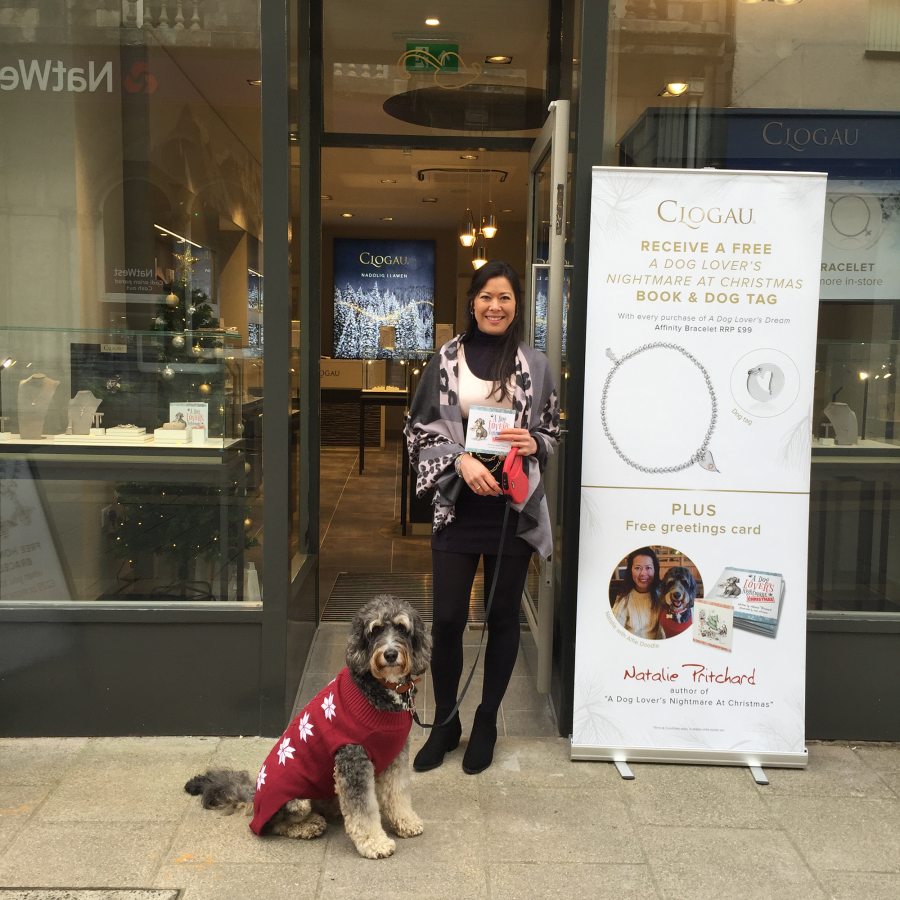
{"x": 488, "y": 365}
{"x": 637, "y": 607}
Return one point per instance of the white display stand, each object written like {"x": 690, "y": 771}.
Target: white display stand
{"x": 701, "y": 330}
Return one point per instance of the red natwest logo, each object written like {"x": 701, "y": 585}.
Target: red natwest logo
{"x": 139, "y": 80}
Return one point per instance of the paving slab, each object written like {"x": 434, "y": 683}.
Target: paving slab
{"x": 572, "y": 881}
{"x": 834, "y": 770}
{"x": 251, "y": 881}
{"x": 861, "y": 885}
{"x": 403, "y": 876}
{"x": 740, "y": 864}
{"x": 565, "y": 824}
{"x": 701, "y": 796}
{"x": 843, "y": 834}
{"x": 208, "y": 835}
{"x": 124, "y": 854}
{"x": 37, "y": 760}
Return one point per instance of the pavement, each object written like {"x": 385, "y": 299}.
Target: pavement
{"x": 112, "y": 813}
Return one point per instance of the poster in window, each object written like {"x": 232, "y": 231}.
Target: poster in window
{"x": 382, "y": 283}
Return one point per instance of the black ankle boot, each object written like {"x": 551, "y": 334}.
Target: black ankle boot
{"x": 443, "y": 739}
{"x": 480, "y": 752}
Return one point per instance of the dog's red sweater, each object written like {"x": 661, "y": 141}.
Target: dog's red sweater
{"x": 671, "y": 627}
{"x": 301, "y": 764}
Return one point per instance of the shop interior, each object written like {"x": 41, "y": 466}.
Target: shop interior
{"x": 393, "y": 196}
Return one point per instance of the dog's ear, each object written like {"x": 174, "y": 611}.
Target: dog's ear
{"x": 691, "y": 583}
{"x": 358, "y": 644}
{"x": 421, "y": 645}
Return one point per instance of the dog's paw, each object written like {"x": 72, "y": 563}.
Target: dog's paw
{"x": 377, "y": 847}
{"x": 409, "y": 826}
{"x": 311, "y": 827}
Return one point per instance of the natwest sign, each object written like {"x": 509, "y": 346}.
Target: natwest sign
{"x": 53, "y": 75}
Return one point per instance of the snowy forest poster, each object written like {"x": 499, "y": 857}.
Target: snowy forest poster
{"x": 379, "y": 282}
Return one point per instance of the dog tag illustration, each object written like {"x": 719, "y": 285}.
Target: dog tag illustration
{"x": 765, "y": 382}
{"x": 707, "y": 463}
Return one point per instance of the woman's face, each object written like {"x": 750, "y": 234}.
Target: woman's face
{"x": 495, "y": 306}
{"x": 642, "y": 571}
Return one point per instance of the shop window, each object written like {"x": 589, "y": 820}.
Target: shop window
{"x": 804, "y": 87}
{"x": 131, "y": 305}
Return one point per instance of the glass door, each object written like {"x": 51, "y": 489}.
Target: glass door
{"x": 547, "y": 283}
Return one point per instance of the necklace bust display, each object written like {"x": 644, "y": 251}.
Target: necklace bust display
{"x": 81, "y": 411}
{"x": 35, "y": 394}
{"x": 846, "y": 426}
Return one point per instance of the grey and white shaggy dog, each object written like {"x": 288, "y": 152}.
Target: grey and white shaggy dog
{"x": 351, "y": 743}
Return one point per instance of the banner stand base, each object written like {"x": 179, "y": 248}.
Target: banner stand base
{"x": 755, "y": 761}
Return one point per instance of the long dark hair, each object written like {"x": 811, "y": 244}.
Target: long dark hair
{"x": 629, "y": 578}
{"x": 505, "y": 363}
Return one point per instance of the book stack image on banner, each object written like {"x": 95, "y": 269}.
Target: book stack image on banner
{"x": 757, "y": 598}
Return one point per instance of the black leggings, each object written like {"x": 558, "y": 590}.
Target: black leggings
{"x": 453, "y": 577}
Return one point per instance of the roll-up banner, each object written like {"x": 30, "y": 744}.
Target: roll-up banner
{"x": 701, "y": 334}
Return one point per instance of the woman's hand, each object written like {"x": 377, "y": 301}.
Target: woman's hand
{"x": 520, "y": 438}
{"x": 477, "y": 476}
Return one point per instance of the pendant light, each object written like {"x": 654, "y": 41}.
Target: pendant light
{"x": 479, "y": 259}
{"x": 467, "y": 230}
{"x": 489, "y": 221}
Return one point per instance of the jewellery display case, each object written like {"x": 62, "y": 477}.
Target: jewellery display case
{"x": 122, "y": 467}
{"x": 854, "y": 535}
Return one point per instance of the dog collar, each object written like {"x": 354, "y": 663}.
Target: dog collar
{"x": 399, "y": 688}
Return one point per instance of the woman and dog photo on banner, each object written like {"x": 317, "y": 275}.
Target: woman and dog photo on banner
{"x": 654, "y": 599}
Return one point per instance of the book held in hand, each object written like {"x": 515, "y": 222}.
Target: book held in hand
{"x": 757, "y": 598}
{"x": 484, "y": 423}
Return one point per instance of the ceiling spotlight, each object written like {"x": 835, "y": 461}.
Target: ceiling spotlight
{"x": 6, "y": 362}
{"x": 788, "y": 2}
{"x": 506, "y": 210}
{"x": 254, "y": 82}
{"x": 387, "y": 218}
{"x": 498, "y": 60}
{"x": 327, "y": 197}
{"x": 863, "y": 375}
{"x": 432, "y": 21}
{"x": 429, "y": 199}
{"x": 346, "y": 215}
{"x": 469, "y": 156}
{"x": 673, "y": 89}
{"x": 388, "y": 180}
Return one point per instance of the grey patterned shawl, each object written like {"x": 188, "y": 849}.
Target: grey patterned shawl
{"x": 435, "y": 437}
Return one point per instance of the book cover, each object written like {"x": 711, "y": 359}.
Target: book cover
{"x": 484, "y": 423}
{"x": 756, "y": 596}
{"x": 196, "y": 415}
{"x": 714, "y": 622}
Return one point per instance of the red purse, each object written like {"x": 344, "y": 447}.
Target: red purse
{"x": 513, "y": 480}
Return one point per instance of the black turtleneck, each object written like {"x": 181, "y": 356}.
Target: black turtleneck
{"x": 481, "y": 353}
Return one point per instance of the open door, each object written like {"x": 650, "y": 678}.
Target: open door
{"x": 547, "y": 284}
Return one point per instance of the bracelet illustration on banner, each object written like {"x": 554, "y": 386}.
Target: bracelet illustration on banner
{"x": 703, "y": 457}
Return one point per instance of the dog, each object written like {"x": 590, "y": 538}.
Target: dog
{"x": 351, "y": 742}
{"x": 677, "y": 594}
{"x": 639, "y": 614}
{"x": 480, "y": 431}
{"x": 730, "y": 588}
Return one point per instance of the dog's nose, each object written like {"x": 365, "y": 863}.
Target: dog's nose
{"x": 678, "y": 595}
{"x": 390, "y": 656}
